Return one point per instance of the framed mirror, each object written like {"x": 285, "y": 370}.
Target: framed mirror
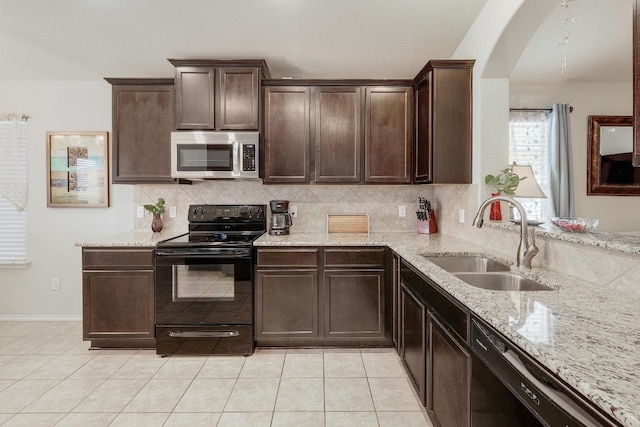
{"x": 636, "y": 83}
{"x": 610, "y": 169}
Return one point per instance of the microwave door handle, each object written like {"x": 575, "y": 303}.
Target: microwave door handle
{"x": 236, "y": 158}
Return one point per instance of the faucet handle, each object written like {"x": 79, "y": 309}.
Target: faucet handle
{"x": 532, "y": 236}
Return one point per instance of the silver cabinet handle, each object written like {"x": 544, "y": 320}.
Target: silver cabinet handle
{"x": 203, "y": 334}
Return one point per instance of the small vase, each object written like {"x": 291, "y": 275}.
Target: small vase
{"x": 156, "y": 224}
{"x": 495, "y": 214}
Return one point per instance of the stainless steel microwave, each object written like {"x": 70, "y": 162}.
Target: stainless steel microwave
{"x": 222, "y": 155}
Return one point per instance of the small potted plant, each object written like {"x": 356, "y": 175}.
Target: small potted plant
{"x": 156, "y": 210}
{"x": 506, "y": 182}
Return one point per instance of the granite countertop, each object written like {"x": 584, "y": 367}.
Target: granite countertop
{"x": 627, "y": 242}
{"x": 570, "y": 330}
{"x": 131, "y": 238}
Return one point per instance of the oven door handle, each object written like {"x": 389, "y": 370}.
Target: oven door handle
{"x": 204, "y": 254}
{"x": 203, "y": 334}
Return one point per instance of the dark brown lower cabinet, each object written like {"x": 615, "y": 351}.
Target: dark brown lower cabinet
{"x": 322, "y": 296}
{"x": 118, "y": 298}
{"x": 286, "y": 306}
{"x": 413, "y": 340}
{"x": 394, "y": 276}
{"x": 353, "y": 304}
{"x": 449, "y": 377}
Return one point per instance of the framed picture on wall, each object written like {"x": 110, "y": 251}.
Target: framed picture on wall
{"x": 78, "y": 169}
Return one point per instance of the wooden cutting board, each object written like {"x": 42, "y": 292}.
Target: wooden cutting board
{"x": 358, "y": 224}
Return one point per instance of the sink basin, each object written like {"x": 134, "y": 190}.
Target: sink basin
{"x": 501, "y": 282}
{"x": 460, "y": 264}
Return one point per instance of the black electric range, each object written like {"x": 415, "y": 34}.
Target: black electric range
{"x": 204, "y": 282}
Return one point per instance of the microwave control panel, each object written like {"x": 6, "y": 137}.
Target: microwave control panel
{"x": 248, "y": 157}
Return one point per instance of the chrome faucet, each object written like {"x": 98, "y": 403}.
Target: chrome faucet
{"x": 527, "y": 248}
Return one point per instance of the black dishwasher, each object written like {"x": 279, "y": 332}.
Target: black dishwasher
{"x": 515, "y": 392}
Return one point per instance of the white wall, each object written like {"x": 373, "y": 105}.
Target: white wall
{"x": 52, "y": 232}
{"x": 616, "y": 213}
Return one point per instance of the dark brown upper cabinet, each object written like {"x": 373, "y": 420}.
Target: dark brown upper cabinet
{"x": 342, "y": 131}
{"x": 218, "y": 94}
{"x": 286, "y": 134}
{"x": 388, "y": 134}
{"x": 142, "y": 120}
{"x": 338, "y": 134}
{"x": 443, "y": 140}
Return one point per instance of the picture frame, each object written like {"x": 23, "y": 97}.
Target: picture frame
{"x": 78, "y": 169}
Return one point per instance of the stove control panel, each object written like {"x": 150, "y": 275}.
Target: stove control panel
{"x": 227, "y": 213}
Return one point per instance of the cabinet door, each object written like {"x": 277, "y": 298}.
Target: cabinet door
{"x": 396, "y": 306}
{"x": 142, "y": 125}
{"x": 354, "y": 304}
{"x": 443, "y": 147}
{"x": 287, "y": 134}
{"x": 286, "y": 304}
{"x": 195, "y": 98}
{"x": 238, "y": 95}
{"x": 422, "y": 153}
{"x": 451, "y": 115}
{"x": 338, "y": 134}
{"x": 388, "y": 134}
{"x": 413, "y": 340}
{"x": 118, "y": 304}
{"x": 449, "y": 378}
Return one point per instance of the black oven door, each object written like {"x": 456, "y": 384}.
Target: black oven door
{"x": 204, "y": 302}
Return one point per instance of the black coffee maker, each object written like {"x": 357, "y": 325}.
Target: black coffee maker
{"x": 280, "y": 218}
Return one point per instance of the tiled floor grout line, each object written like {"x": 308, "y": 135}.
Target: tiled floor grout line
{"x": 371, "y": 367}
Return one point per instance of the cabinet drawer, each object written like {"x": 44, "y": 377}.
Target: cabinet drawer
{"x": 117, "y": 259}
{"x": 288, "y": 258}
{"x": 356, "y": 257}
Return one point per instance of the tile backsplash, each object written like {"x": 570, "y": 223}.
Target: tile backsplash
{"x": 381, "y": 203}
{"x": 314, "y": 202}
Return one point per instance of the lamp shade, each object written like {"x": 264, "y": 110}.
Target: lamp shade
{"x": 528, "y": 187}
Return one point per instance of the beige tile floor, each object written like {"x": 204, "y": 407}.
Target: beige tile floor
{"x": 48, "y": 377}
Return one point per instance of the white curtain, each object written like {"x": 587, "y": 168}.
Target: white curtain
{"x": 561, "y": 162}
{"x": 13, "y": 155}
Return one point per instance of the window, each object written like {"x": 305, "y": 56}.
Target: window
{"x": 528, "y": 145}
{"x": 13, "y": 190}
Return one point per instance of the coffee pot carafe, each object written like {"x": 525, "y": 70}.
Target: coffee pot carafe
{"x": 280, "y": 218}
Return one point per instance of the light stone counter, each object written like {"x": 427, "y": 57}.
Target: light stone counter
{"x": 586, "y": 334}
{"x": 628, "y": 242}
{"x": 131, "y": 238}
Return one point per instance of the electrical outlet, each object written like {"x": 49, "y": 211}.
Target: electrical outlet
{"x": 140, "y": 212}
{"x": 55, "y": 284}
{"x": 402, "y": 211}
{"x": 293, "y": 210}
{"x": 172, "y": 212}
{"x": 461, "y": 216}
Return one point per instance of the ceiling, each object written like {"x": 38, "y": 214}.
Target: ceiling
{"x": 599, "y": 49}
{"x": 92, "y": 39}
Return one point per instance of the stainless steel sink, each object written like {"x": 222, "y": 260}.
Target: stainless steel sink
{"x": 501, "y": 282}
{"x": 467, "y": 263}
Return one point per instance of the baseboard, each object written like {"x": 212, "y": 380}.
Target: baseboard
{"x": 41, "y": 318}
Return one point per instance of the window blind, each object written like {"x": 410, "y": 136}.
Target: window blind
{"x": 13, "y": 190}
{"x": 13, "y": 234}
{"x": 528, "y": 145}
